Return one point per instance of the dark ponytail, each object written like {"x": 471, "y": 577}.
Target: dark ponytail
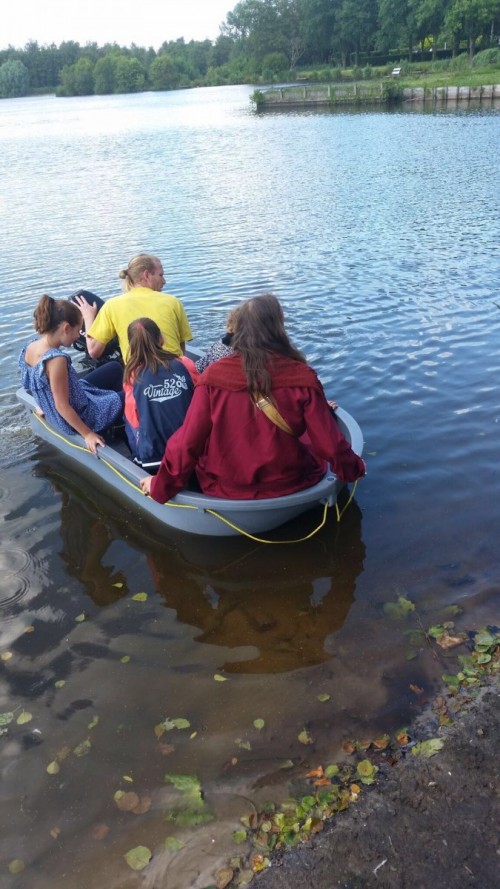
{"x": 50, "y": 313}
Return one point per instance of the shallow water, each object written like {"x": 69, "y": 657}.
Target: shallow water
{"x": 379, "y": 232}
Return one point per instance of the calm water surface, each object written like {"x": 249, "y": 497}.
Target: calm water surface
{"x": 379, "y": 232}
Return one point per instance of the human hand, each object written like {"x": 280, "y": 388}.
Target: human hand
{"x": 332, "y": 405}
{"x": 92, "y": 439}
{"x": 145, "y": 484}
{"x": 88, "y": 311}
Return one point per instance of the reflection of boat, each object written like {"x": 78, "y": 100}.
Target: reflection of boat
{"x": 191, "y": 511}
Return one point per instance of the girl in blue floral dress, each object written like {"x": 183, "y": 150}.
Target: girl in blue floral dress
{"x": 68, "y": 403}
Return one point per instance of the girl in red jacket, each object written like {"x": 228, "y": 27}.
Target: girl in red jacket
{"x": 259, "y": 424}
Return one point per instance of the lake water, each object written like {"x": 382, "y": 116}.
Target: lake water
{"x": 379, "y": 233}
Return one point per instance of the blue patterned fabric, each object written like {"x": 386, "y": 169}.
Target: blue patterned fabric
{"x": 97, "y": 408}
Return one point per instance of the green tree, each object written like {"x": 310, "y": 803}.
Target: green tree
{"x": 163, "y": 73}
{"x": 470, "y": 19}
{"x": 14, "y": 79}
{"x": 104, "y": 75}
{"x": 130, "y": 76}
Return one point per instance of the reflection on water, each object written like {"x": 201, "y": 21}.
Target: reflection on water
{"x": 272, "y": 603}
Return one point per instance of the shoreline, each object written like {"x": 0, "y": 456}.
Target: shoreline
{"x": 427, "y": 822}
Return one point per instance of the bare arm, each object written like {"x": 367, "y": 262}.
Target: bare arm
{"x": 57, "y": 373}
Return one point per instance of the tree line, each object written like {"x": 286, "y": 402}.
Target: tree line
{"x": 260, "y": 40}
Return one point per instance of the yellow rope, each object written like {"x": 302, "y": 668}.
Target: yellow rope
{"x": 209, "y": 511}
{"x": 260, "y": 539}
{"x": 340, "y": 513}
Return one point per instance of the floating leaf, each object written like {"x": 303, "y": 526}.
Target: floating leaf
{"x": 244, "y": 745}
{"x": 138, "y": 857}
{"x": 331, "y": 771}
{"x": 53, "y": 767}
{"x": 446, "y": 641}
{"x": 239, "y": 836}
{"x": 219, "y": 678}
{"x": 366, "y": 769}
{"x": 80, "y": 618}
{"x": 259, "y": 724}
{"x": 140, "y": 597}
{"x": 94, "y": 722}
{"x": 173, "y": 844}
{"x": 192, "y": 735}
{"x": 24, "y": 717}
{"x": 348, "y": 746}
{"x": 382, "y": 742}
{"x": 143, "y": 806}
{"x": 185, "y": 783}
{"x": 428, "y": 748}
{"x": 6, "y": 718}
{"x": 400, "y": 609}
{"x": 118, "y": 585}
{"x": 178, "y": 723}
{"x": 323, "y": 697}
{"x": 304, "y": 737}
{"x": 6, "y": 655}
{"x": 128, "y": 778}
{"x": 59, "y": 683}
{"x": 126, "y": 802}
{"x": 29, "y": 630}
{"x": 16, "y": 866}
{"x": 100, "y": 832}
{"x": 481, "y": 659}
{"x": 83, "y": 747}
{"x": 125, "y": 659}
{"x": 287, "y": 764}
{"x": 63, "y": 753}
{"x": 223, "y": 877}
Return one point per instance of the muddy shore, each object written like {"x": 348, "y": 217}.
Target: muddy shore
{"x": 427, "y": 824}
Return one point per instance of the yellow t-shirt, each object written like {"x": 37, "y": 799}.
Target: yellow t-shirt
{"x": 141, "y": 302}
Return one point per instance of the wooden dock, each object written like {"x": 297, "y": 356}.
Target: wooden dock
{"x": 385, "y": 92}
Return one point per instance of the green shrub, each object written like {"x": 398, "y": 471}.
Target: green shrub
{"x": 336, "y": 75}
{"x": 460, "y": 63}
{"x": 367, "y": 73}
{"x": 487, "y": 57}
{"x": 357, "y": 73}
{"x": 392, "y": 92}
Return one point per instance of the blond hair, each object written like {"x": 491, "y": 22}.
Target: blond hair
{"x": 139, "y": 264}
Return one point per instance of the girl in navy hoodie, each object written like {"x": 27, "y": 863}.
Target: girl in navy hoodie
{"x": 158, "y": 391}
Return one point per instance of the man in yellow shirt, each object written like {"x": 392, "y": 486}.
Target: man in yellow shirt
{"x": 143, "y": 282}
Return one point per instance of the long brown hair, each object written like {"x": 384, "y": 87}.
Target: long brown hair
{"x": 259, "y": 333}
{"x": 50, "y": 313}
{"x": 146, "y": 351}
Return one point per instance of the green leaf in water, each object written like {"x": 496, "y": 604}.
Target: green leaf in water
{"x": 428, "y": 748}
{"x": 172, "y": 844}
{"x": 185, "y": 783}
{"x": 16, "y": 866}
{"x": 138, "y": 857}
{"x": 80, "y": 618}
{"x": 93, "y": 722}
{"x": 399, "y": 609}
{"x": 125, "y": 659}
{"x": 6, "y": 718}
{"x": 219, "y": 678}
{"x": 83, "y": 747}
{"x": 140, "y": 597}
{"x": 53, "y": 768}
{"x": 259, "y": 724}
{"x": 323, "y": 697}
{"x": 59, "y": 683}
{"x": 239, "y": 836}
{"x": 24, "y": 717}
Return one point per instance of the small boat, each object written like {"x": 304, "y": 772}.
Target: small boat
{"x": 191, "y": 511}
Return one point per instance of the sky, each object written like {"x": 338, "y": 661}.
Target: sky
{"x": 144, "y": 22}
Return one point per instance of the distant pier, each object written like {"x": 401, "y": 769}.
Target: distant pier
{"x": 385, "y": 92}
